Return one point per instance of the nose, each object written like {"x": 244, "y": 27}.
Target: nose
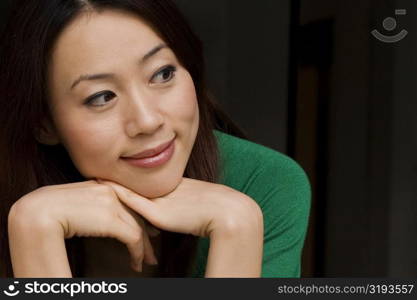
{"x": 142, "y": 114}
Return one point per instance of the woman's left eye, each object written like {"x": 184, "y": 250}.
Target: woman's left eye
{"x": 164, "y": 75}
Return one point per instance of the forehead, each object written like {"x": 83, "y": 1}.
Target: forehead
{"x": 97, "y": 41}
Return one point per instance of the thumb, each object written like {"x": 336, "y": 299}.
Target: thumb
{"x": 139, "y": 204}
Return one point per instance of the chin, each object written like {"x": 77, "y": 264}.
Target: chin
{"x": 156, "y": 190}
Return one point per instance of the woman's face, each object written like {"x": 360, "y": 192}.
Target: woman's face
{"x": 116, "y": 90}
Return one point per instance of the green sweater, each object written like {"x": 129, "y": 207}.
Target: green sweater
{"x": 281, "y": 189}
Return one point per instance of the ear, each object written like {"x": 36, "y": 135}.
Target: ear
{"x": 46, "y": 134}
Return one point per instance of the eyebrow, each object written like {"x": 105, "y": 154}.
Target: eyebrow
{"x": 146, "y": 57}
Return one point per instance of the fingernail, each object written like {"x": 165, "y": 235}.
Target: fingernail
{"x": 154, "y": 261}
{"x": 137, "y": 266}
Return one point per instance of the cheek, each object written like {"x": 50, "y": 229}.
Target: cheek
{"x": 90, "y": 145}
{"x": 185, "y": 106}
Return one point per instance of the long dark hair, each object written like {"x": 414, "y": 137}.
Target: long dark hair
{"x": 25, "y": 164}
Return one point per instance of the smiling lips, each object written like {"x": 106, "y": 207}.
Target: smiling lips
{"x": 152, "y": 157}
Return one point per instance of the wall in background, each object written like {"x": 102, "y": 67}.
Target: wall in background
{"x": 4, "y": 11}
{"x": 370, "y": 202}
{"x": 247, "y": 49}
{"x": 403, "y": 168}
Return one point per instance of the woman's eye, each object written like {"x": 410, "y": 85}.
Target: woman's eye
{"x": 100, "y": 99}
{"x": 164, "y": 75}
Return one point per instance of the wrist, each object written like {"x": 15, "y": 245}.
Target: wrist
{"x": 37, "y": 247}
{"x": 30, "y": 220}
{"x": 236, "y": 246}
{"x": 243, "y": 217}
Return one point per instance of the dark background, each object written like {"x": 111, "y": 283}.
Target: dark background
{"x": 306, "y": 77}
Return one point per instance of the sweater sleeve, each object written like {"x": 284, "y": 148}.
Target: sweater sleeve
{"x": 282, "y": 190}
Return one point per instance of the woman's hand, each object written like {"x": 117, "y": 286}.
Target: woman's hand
{"x": 232, "y": 220}
{"x": 194, "y": 207}
{"x": 85, "y": 209}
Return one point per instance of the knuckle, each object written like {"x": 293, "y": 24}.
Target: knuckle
{"x": 43, "y": 188}
{"x": 15, "y": 213}
{"x": 27, "y": 214}
{"x": 137, "y": 236}
{"x": 25, "y": 207}
{"x": 243, "y": 208}
{"x": 103, "y": 190}
{"x": 251, "y": 208}
{"x": 230, "y": 224}
{"x": 108, "y": 203}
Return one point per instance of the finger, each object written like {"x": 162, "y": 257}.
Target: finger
{"x": 149, "y": 253}
{"x": 149, "y": 256}
{"x": 149, "y": 228}
{"x": 132, "y": 238}
{"x": 132, "y": 217}
{"x": 139, "y": 204}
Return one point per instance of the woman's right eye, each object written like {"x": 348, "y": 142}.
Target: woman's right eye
{"x": 100, "y": 99}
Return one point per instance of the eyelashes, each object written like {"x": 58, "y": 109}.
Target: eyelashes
{"x": 161, "y": 77}
{"x": 100, "y": 98}
{"x": 167, "y": 73}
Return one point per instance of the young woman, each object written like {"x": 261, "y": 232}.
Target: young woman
{"x": 109, "y": 139}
